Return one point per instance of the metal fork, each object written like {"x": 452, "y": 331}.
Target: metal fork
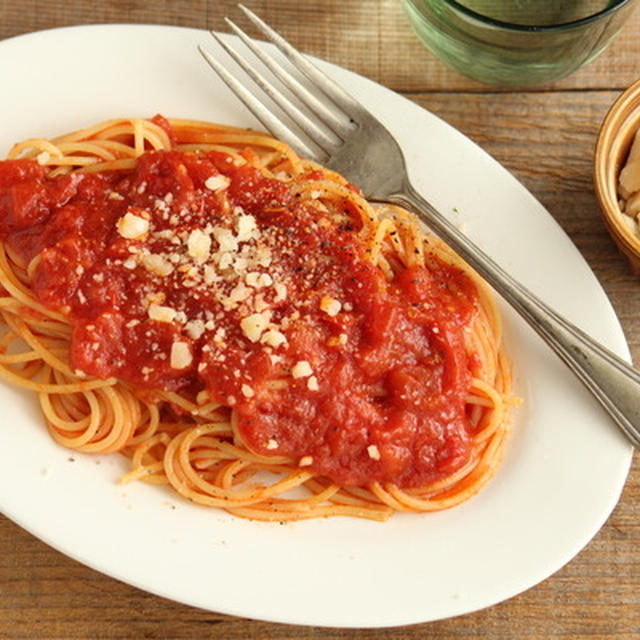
{"x": 346, "y": 138}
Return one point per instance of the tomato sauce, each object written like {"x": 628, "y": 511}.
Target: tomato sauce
{"x": 191, "y": 272}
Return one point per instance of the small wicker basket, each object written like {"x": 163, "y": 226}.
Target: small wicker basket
{"x": 612, "y": 148}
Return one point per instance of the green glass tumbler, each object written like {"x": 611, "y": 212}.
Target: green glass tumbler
{"x": 517, "y": 43}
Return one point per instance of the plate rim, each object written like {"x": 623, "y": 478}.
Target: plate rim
{"x": 239, "y": 611}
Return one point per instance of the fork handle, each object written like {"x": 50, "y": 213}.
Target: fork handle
{"x": 614, "y": 383}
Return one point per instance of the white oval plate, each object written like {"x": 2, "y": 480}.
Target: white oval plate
{"x": 564, "y": 467}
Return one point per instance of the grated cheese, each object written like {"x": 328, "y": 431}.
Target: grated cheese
{"x": 281, "y": 292}
{"x": 273, "y": 338}
{"x": 217, "y": 182}
{"x": 161, "y": 313}
{"x": 199, "y": 246}
{"x": 247, "y": 391}
{"x": 373, "y": 452}
{"x": 225, "y": 239}
{"x": 210, "y": 275}
{"x": 246, "y": 226}
{"x": 301, "y": 369}
{"x": 195, "y": 328}
{"x": 180, "y": 355}
{"x": 156, "y": 264}
{"x": 132, "y": 227}
{"x": 330, "y": 306}
{"x": 253, "y": 325}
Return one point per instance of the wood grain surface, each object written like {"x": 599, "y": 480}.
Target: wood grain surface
{"x": 546, "y": 138}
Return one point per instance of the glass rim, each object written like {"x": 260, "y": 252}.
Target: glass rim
{"x": 536, "y": 28}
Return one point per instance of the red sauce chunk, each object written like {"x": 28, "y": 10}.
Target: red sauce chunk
{"x": 191, "y": 272}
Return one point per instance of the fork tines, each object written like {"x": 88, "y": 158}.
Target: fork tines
{"x": 329, "y": 126}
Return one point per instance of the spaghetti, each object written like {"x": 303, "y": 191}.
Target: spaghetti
{"x": 244, "y": 326}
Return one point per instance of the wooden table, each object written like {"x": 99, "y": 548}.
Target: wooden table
{"x": 546, "y": 138}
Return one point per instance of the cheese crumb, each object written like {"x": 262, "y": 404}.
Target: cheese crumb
{"x": 180, "y": 355}
{"x": 252, "y": 278}
{"x": 334, "y": 341}
{"x": 226, "y": 240}
{"x": 263, "y": 256}
{"x": 247, "y": 391}
{"x": 373, "y": 452}
{"x": 312, "y": 383}
{"x": 260, "y": 303}
{"x": 281, "y": 292}
{"x": 330, "y": 306}
{"x": 273, "y": 338}
{"x": 305, "y": 461}
{"x": 156, "y": 297}
{"x": 195, "y": 328}
{"x": 254, "y": 325}
{"x": 157, "y": 264}
{"x": 271, "y": 444}
{"x": 161, "y": 313}
{"x": 131, "y": 226}
{"x": 246, "y": 226}
{"x": 217, "y": 182}
{"x": 238, "y": 294}
{"x": 199, "y": 246}
{"x": 301, "y": 369}
{"x": 210, "y": 275}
